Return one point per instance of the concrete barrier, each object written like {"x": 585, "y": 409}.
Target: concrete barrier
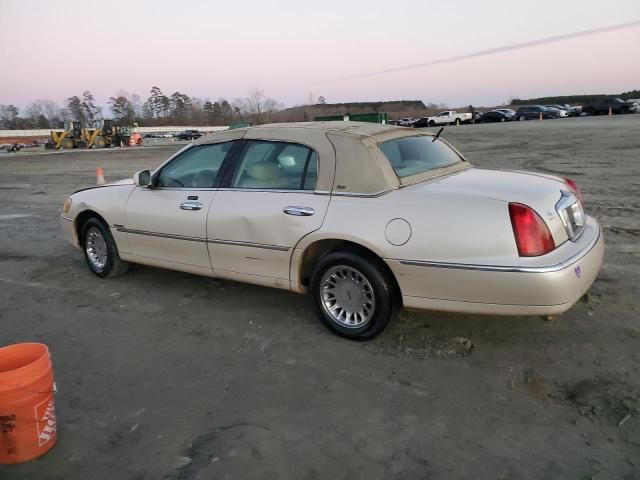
{"x": 44, "y": 132}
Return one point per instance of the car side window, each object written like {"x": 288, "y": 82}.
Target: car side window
{"x": 276, "y": 165}
{"x": 197, "y": 167}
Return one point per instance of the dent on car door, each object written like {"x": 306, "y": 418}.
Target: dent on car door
{"x": 269, "y": 206}
{"x": 167, "y": 222}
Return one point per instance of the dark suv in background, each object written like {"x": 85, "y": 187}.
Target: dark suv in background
{"x": 532, "y": 112}
{"x": 190, "y": 135}
{"x": 602, "y": 106}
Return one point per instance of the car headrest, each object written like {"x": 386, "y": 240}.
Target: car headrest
{"x": 264, "y": 171}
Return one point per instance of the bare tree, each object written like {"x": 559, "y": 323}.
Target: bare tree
{"x": 258, "y": 105}
{"x": 44, "y": 113}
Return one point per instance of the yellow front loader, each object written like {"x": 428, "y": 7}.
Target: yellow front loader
{"x": 71, "y": 136}
{"x": 104, "y": 134}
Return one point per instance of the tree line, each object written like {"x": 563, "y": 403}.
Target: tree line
{"x": 158, "y": 109}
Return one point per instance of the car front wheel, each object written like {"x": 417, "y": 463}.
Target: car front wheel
{"x": 100, "y": 250}
{"x": 354, "y": 297}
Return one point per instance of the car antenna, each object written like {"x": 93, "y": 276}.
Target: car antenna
{"x": 437, "y": 135}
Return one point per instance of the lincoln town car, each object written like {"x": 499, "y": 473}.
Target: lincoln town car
{"x": 365, "y": 218}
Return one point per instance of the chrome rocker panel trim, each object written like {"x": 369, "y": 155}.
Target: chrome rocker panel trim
{"x": 120, "y": 228}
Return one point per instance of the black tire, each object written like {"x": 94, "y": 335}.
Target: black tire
{"x": 380, "y": 288}
{"x": 113, "y": 266}
{"x": 522, "y": 118}
{"x": 431, "y": 123}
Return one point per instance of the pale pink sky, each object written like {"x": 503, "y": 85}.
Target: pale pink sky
{"x": 291, "y": 48}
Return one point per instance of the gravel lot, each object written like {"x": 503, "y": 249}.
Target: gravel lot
{"x": 165, "y": 375}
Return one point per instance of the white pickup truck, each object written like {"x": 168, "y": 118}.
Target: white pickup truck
{"x": 450, "y": 117}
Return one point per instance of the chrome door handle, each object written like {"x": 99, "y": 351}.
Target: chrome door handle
{"x": 299, "y": 211}
{"x": 191, "y": 205}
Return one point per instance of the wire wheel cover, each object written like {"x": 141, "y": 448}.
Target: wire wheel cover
{"x": 96, "y": 247}
{"x": 347, "y": 296}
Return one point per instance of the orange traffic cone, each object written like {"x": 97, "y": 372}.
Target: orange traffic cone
{"x": 610, "y": 112}
{"x": 99, "y": 176}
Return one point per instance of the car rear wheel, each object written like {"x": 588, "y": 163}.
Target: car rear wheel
{"x": 521, "y": 118}
{"x": 353, "y": 296}
{"x": 100, "y": 250}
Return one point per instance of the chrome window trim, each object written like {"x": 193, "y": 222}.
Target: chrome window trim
{"x": 509, "y": 269}
{"x": 270, "y": 190}
{"x": 363, "y": 195}
{"x": 184, "y": 189}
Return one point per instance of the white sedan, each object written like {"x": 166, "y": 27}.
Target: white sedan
{"x": 367, "y": 218}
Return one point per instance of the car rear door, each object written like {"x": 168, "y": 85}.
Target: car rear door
{"x": 268, "y": 203}
{"x": 166, "y": 224}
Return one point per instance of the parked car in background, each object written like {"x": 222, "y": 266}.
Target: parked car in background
{"x": 421, "y": 122}
{"x": 402, "y": 122}
{"x": 189, "y": 135}
{"x": 405, "y": 122}
{"x": 562, "y": 112}
{"x": 158, "y": 135}
{"x": 449, "y": 117}
{"x": 533, "y": 112}
{"x": 575, "y": 111}
{"x": 274, "y": 205}
{"x": 601, "y": 107}
{"x": 509, "y": 111}
{"x": 494, "y": 116}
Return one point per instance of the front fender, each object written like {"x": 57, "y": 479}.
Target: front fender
{"x": 109, "y": 202}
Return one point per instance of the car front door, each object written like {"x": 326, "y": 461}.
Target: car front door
{"x": 166, "y": 223}
{"x": 270, "y": 202}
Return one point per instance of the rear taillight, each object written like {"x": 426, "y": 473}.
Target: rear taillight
{"x": 533, "y": 237}
{"x": 574, "y": 188}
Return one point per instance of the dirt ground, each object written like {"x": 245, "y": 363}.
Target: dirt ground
{"x": 165, "y": 375}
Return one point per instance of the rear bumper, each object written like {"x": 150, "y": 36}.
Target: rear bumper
{"x": 68, "y": 230}
{"x": 517, "y": 290}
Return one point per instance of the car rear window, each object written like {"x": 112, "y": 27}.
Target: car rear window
{"x": 411, "y": 155}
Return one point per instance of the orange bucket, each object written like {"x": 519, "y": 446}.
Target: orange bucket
{"x": 27, "y": 415}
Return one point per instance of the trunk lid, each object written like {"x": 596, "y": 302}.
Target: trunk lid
{"x": 541, "y": 192}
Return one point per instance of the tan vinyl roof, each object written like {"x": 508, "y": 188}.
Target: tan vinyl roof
{"x": 350, "y": 161}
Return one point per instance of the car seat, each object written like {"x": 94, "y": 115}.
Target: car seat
{"x": 263, "y": 175}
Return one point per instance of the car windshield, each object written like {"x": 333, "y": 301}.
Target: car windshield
{"x": 411, "y": 155}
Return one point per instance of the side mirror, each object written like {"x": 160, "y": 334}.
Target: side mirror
{"x": 142, "y": 178}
